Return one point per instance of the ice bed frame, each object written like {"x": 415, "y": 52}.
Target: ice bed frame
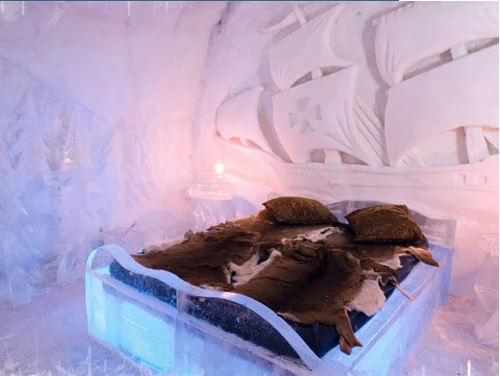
{"x": 169, "y": 328}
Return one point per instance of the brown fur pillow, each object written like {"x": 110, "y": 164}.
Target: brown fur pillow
{"x": 299, "y": 211}
{"x": 384, "y": 224}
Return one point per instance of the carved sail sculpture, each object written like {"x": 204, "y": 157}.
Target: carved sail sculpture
{"x": 305, "y": 50}
{"x": 422, "y": 30}
{"x": 426, "y": 107}
{"x": 320, "y": 115}
{"x": 438, "y": 85}
{"x": 239, "y": 118}
{"x": 440, "y": 73}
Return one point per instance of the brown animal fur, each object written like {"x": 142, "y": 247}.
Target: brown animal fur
{"x": 308, "y": 282}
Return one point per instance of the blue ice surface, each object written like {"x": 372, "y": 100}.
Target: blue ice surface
{"x": 166, "y": 338}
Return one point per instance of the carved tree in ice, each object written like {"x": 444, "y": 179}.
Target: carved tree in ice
{"x": 50, "y": 149}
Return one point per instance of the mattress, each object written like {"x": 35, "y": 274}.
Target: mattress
{"x": 319, "y": 337}
{"x": 141, "y": 312}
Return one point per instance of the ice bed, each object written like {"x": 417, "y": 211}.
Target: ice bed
{"x": 155, "y": 318}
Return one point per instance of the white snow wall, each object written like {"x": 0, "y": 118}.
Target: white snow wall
{"x": 96, "y": 107}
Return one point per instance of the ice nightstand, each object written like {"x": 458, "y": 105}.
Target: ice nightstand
{"x": 211, "y": 203}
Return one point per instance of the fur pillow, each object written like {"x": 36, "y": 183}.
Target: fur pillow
{"x": 384, "y": 224}
{"x": 299, "y": 211}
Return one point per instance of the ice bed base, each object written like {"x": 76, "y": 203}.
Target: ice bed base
{"x": 166, "y": 337}
{"x": 156, "y": 334}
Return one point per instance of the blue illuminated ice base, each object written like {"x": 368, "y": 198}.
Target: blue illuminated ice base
{"x": 167, "y": 338}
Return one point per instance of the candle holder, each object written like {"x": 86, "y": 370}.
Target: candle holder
{"x": 211, "y": 198}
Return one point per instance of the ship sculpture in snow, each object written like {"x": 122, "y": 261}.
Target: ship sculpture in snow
{"x": 436, "y": 85}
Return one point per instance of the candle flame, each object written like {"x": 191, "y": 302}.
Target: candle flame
{"x": 219, "y": 169}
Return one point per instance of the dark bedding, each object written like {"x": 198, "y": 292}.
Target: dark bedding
{"x": 319, "y": 337}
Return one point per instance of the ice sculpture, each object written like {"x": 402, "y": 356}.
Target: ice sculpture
{"x": 239, "y": 118}
{"x": 78, "y": 155}
{"x": 467, "y": 80}
{"x": 350, "y": 127}
{"x": 313, "y": 115}
{"x": 50, "y": 149}
{"x": 333, "y": 119}
{"x": 421, "y": 30}
{"x": 306, "y": 50}
{"x": 340, "y": 149}
{"x": 324, "y": 114}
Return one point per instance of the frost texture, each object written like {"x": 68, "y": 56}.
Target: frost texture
{"x": 49, "y": 150}
{"x": 486, "y": 289}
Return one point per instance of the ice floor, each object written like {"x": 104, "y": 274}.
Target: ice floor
{"x": 48, "y": 338}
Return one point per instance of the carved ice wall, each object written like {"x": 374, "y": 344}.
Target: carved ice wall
{"x": 53, "y": 153}
{"x": 122, "y": 90}
{"x": 451, "y": 171}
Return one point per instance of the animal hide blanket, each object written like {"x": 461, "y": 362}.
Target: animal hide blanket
{"x": 306, "y": 274}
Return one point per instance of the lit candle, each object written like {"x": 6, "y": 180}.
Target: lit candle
{"x": 219, "y": 169}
